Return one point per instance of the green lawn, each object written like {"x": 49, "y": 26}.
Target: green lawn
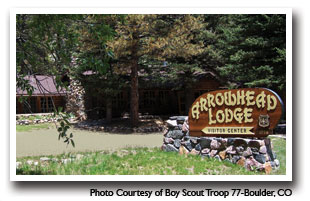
{"x": 280, "y": 149}
{"x": 26, "y": 128}
{"x": 142, "y": 161}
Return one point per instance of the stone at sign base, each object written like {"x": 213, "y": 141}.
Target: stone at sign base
{"x": 241, "y": 161}
{"x": 183, "y": 150}
{"x": 252, "y": 154}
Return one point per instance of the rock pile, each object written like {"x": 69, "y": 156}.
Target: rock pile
{"x": 43, "y": 161}
{"x": 35, "y": 119}
{"x": 253, "y": 154}
{"x": 75, "y": 100}
{"x": 119, "y": 126}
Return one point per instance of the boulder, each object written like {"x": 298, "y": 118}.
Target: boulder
{"x": 222, "y": 154}
{"x": 198, "y": 147}
{"x": 213, "y": 153}
{"x": 66, "y": 160}
{"x": 217, "y": 157}
{"x": 177, "y": 143}
{"x": 205, "y": 142}
{"x": 175, "y": 134}
{"x": 260, "y": 158}
{"x": 29, "y": 162}
{"x": 263, "y": 150}
{"x": 239, "y": 150}
{"x": 277, "y": 163}
{"x": 194, "y": 140}
{"x": 235, "y": 159}
{"x": 171, "y": 148}
{"x": 230, "y": 141}
{"x": 205, "y": 151}
{"x": 172, "y": 123}
{"x": 252, "y": 164}
{"x": 241, "y": 161}
{"x": 254, "y": 143}
{"x": 187, "y": 144}
{"x": 168, "y": 140}
{"x": 194, "y": 152}
{"x": 247, "y": 152}
{"x": 273, "y": 155}
{"x": 254, "y": 150}
{"x": 185, "y": 126}
{"x": 173, "y": 118}
{"x": 240, "y": 142}
{"x": 267, "y": 168}
{"x": 183, "y": 150}
{"x": 205, "y": 156}
{"x": 231, "y": 150}
{"x": 181, "y": 119}
{"x": 43, "y": 159}
{"x": 215, "y": 144}
{"x": 18, "y": 164}
{"x": 186, "y": 137}
{"x": 223, "y": 143}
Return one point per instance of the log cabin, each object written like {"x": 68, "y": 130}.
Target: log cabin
{"x": 45, "y": 94}
{"x": 172, "y": 98}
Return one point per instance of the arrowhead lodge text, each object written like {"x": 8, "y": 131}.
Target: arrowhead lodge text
{"x": 246, "y": 100}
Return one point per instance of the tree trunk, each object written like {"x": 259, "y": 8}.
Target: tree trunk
{"x": 109, "y": 110}
{"x": 134, "y": 103}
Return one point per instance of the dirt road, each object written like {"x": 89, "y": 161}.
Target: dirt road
{"x": 45, "y": 142}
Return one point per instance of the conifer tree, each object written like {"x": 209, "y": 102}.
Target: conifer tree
{"x": 154, "y": 37}
{"x": 44, "y": 45}
{"x": 253, "y": 50}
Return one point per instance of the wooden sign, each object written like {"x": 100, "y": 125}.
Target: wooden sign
{"x": 252, "y": 112}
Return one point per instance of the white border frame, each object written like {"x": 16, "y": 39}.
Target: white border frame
{"x": 157, "y": 10}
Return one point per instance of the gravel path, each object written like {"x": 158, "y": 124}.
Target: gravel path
{"x": 45, "y": 142}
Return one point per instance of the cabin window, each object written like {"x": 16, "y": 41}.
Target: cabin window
{"x": 49, "y": 104}
{"x": 163, "y": 97}
{"x": 43, "y": 104}
{"x": 118, "y": 101}
{"x": 148, "y": 99}
{"x": 46, "y": 104}
{"x": 29, "y": 105}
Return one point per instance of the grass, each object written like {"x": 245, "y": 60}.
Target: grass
{"x": 142, "y": 161}
{"x": 280, "y": 149}
{"x": 33, "y": 117}
{"x": 26, "y": 128}
{"x": 137, "y": 161}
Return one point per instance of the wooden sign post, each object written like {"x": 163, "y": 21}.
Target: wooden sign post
{"x": 252, "y": 112}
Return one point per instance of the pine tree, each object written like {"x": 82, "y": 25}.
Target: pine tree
{"x": 95, "y": 56}
{"x": 44, "y": 45}
{"x": 253, "y": 50}
{"x": 146, "y": 38}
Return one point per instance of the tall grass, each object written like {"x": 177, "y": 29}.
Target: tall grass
{"x": 142, "y": 161}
